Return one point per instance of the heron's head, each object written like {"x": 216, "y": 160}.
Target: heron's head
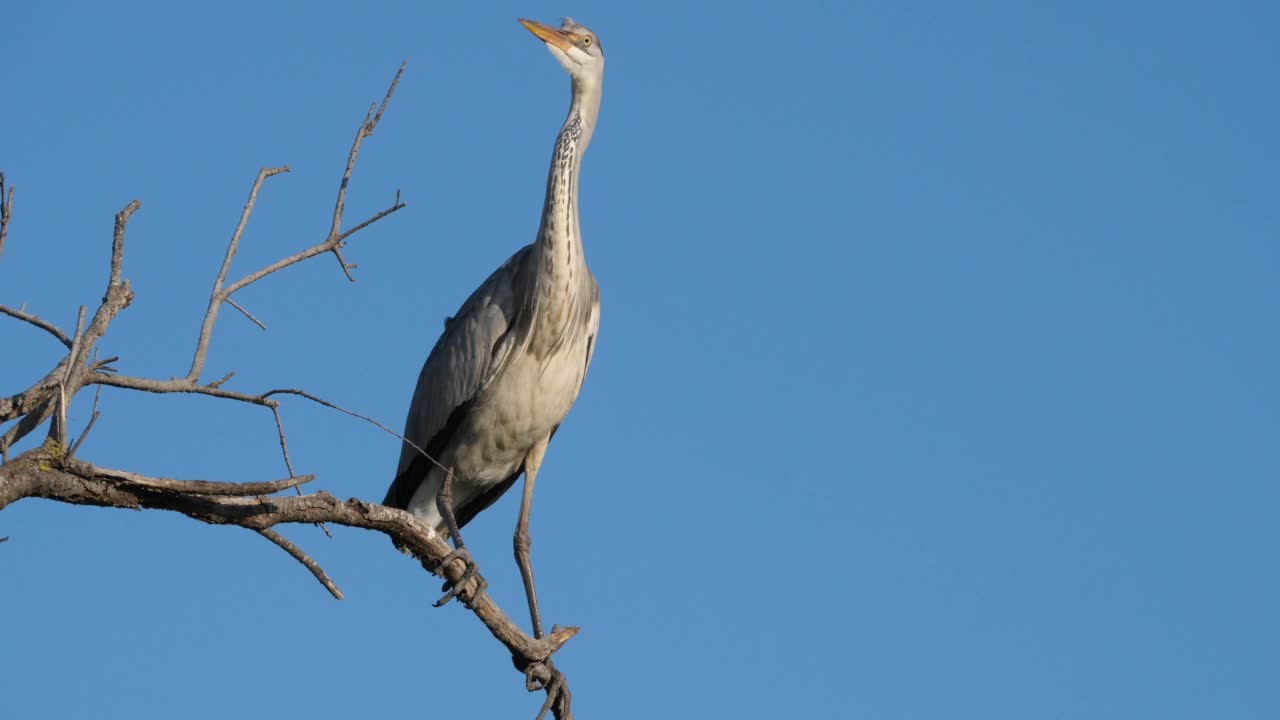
{"x": 575, "y": 46}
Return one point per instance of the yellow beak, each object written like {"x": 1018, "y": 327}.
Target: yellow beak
{"x": 548, "y": 34}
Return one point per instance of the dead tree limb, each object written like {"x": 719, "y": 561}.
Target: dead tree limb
{"x": 52, "y": 471}
{"x": 47, "y": 473}
{"x": 32, "y": 319}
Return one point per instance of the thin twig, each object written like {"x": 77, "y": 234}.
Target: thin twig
{"x": 42, "y": 324}
{"x": 246, "y": 313}
{"x": 184, "y": 386}
{"x": 284, "y": 444}
{"x": 288, "y": 464}
{"x": 97, "y": 396}
{"x": 181, "y": 385}
{"x": 303, "y": 558}
{"x": 378, "y": 118}
{"x": 342, "y": 263}
{"x": 325, "y": 246}
{"x": 266, "y": 399}
{"x": 221, "y": 381}
{"x": 354, "y": 414}
{"x": 394, "y": 207}
{"x": 177, "y": 385}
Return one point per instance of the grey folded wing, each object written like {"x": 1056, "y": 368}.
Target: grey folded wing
{"x": 475, "y": 345}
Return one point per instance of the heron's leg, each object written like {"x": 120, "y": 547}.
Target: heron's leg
{"x": 461, "y": 589}
{"x": 444, "y": 504}
{"x": 532, "y": 462}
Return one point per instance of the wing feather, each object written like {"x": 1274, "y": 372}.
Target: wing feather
{"x": 474, "y": 346}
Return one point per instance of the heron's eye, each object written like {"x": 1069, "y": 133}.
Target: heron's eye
{"x": 586, "y": 41}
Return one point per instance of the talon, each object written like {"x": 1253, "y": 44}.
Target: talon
{"x": 531, "y": 683}
{"x": 558, "y": 697}
{"x": 468, "y": 587}
{"x": 458, "y": 554}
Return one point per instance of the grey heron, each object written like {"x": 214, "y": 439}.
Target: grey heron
{"x": 511, "y": 362}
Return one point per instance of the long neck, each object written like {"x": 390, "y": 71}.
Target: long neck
{"x": 559, "y": 235}
{"x": 560, "y": 270}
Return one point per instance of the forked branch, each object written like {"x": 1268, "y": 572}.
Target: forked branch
{"x": 332, "y": 243}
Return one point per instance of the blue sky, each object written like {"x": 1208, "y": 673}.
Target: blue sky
{"x": 937, "y": 374}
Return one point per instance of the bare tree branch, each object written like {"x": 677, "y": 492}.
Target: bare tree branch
{"x": 303, "y": 558}
{"x": 25, "y": 425}
{"x": 246, "y": 313}
{"x": 25, "y": 402}
{"x": 97, "y": 398}
{"x": 198, "y": 487}
{"x": 177, "y": 385}
{"x": 366, "y": 129}
{"x": 53, "y": 471}
{"x": 217, "y": 297}
{"x": 44, "y": 473}
{"x": 354, "y": 414}
{"x": 284, "y": 442}
{"x": 333, "y": 243}
{"x": 43, "y": 325}
{"x": 117, "y": 242}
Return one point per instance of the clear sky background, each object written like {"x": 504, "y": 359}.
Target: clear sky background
{"x": 937, "y": 375}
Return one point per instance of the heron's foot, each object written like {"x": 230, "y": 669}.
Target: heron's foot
{"x": 541, "y": 674}
{"x": 545, "y": 676}
{"x": 469, "y": 586}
